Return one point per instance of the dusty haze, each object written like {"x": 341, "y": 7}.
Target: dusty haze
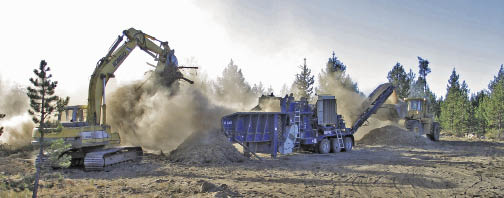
{"x": 17, "y": 124}
{"x": 349, "y": 102}
{"x": 156, "y": 118}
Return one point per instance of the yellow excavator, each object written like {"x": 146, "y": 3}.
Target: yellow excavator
{"x": 94, "y": 144}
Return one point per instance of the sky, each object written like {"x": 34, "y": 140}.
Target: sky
{"x": 268, "y": 40}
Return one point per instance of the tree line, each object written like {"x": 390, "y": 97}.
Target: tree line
{"x": 459, "y": 111}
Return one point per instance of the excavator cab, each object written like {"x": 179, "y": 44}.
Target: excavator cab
{"x": 74, "y": 116}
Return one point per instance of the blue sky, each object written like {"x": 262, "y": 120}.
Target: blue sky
{"x": 267, "y": 39}
{"x": 371, "y": 36}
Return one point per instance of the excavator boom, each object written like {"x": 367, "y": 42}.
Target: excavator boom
{"x": 92, "y": 139}
{"x": 106, "y": 67}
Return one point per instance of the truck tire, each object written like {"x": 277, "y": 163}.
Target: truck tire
{"x": 324, "y": 146}
{"x": 435, "y": 132}
{"x": 334, "y": 146}
{"x": 348, "y": 142}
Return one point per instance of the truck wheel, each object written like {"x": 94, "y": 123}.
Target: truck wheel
{"x": 348, "y": 142}
{"x": 324, "y": 146}
{"x": 334, "y": 145}
{"x": 435, "y": 132}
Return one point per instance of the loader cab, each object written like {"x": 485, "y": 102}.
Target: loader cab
{"x": 416, "y": 107}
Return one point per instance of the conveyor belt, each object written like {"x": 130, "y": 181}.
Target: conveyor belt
{"x": 373, "y": 102}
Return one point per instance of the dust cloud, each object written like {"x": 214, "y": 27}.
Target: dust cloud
{"x": 268, "y": 103}
{"x": 17, "y": 123}
{"x": 17, "y": 131}
{"x": 156, "y": 117}
{"x": 351, "y": 104}
{"x": 153, "y": 117}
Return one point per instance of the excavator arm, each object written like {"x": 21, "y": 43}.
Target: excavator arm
{"x": 167, "y": 64}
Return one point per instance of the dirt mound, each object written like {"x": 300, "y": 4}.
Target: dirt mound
{"x": 393, "y": 135}
{"x": 206, "y": 147}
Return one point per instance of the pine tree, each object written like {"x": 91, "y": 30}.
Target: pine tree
{"x": 232, "y": 76}
{"x": 304, "y": 82}
{"x": 465, "y": 108}
{"x": 434, "y": 103}
{"x": 60, "y": 106}
{"x": 449, "y": 107}
{"x": 232, "y": 83}
{"x": 270, "y": 90}
{"x": 334, "y": 76}
{"x": 42, "y": 100}
{"x": 456, "y": 109}
{"x": 495, "y": 108}
{"x": 477, "y": 114}
{"x": 412, "y": 91}
{"x": 411, "y": 77}
{"x": 398, "y": 77}
{"x": 423, "y": 71}
{"x": 335, "y": 65}
{"x": 498, "y": 78}
{"x": 258, "y": 89}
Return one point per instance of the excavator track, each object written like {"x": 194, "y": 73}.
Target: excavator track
{"x": 98, "y": 160}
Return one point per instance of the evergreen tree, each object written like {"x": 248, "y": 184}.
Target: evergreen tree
{"x": 398, "y": 77}
{"x": 498, "y": 78}
{"x": 412, "y": 84}
{"x": 334, "y": 76}
{"x": 495, "y": 109}
{"x": 60, "y": 106}
{"x": 42, "y": 100}
{"x": 478, "y": 121}
{"x": 434, "y": 103}
{"x": 258, "y": 89}
{"x": 335, "y": 65}
{"x": 233, "y": 82}
{"x": 423, "y": 71}
{"x": 304, "y": 82}
{"x": 411, "y": 77}
{"x": 465, "y": 108}
{"x": 456, "y": 109}
{"x": 450, "y": 107}
{"x": 270, "y": 90}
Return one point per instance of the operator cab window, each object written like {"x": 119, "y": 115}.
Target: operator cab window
{"x": 74, "y": 115}
{"x": 415, "y": 105}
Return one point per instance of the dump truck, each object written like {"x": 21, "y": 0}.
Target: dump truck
{"x": 93, "y": 143}
{"x": 299, "y": 125}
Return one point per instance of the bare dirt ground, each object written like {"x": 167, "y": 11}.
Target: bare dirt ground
{"x": 450, "y": 168}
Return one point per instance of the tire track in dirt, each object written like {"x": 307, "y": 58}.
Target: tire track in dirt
{"x": 395, "y": 185}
